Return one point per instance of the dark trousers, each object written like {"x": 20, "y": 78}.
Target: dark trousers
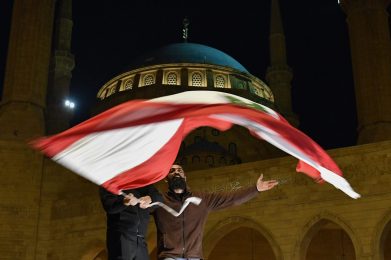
{"x": 125, "y": 247}
{"x": 179, "y": 258}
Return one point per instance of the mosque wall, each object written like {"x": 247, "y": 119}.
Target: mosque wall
{"x": 289, "y": 217}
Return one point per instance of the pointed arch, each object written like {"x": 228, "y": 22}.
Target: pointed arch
{"x": 308, "y": 231}
{"x": 383, "y": 228}
{"x": 224, "y": 227}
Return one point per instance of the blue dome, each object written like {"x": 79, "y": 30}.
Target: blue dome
{"x": 187, "y": 53}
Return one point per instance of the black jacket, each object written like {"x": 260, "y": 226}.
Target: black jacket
{"x": 128, "y": 220}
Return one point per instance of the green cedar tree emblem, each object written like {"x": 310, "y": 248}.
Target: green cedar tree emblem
{"x": 252, "y": 105}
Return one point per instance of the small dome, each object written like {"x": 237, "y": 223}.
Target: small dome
{"x": 187, "y": 53}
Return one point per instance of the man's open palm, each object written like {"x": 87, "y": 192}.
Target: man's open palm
{"x": 265, "y": 185}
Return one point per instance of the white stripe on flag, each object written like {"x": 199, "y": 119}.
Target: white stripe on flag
{"x": 102, "y": 156}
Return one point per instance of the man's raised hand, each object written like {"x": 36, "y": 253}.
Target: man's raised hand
{"x": 265, "y": 185}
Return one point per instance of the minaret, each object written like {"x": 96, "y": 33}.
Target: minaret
{"x": 279, "y": 74}
{"x": 62, "y": 63}
{"x": 371, "y": 60}
{"x": 25, "y": 81}
{"x": 21, "y": 118}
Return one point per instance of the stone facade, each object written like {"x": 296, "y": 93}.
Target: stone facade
{"x": 288, "y": 222}
{"x": 49, "y": 213}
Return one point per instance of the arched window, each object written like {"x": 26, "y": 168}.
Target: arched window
{"x": 232, "y": 148}
{"x": 172, "y": 78}
{"x": 209, "y": 160}
{"x": 196, "y": 79}
{"x": 219, "y": 81}
{"x": 215, "y": 132}
{"x": 128, "y": 84}
{"x": 240, "y": 85}
{"x": 149, "y": 79}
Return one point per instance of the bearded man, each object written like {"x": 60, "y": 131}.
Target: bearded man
{"x": 180, "y": 238}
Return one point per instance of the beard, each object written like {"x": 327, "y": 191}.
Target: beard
{"x": 177, "y": 183}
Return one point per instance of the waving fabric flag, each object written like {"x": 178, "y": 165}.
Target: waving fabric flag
{"x": 134, "y": 144}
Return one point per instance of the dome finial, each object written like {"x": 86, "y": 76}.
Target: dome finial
{"x": 185, "y": 30}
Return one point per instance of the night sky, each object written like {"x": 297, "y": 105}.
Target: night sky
{"x": 107, "y": 35}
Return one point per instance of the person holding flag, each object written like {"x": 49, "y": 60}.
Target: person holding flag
{"x": 127, "y": 221}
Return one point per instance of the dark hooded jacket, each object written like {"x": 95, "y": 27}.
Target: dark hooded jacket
{"x": 128, "y": 220}
{"x": 182, "y": 236}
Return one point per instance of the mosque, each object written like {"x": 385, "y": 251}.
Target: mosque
{"x": 49, "y": 213}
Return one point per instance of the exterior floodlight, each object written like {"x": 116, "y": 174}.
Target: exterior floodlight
{"x": 69, "y": 104}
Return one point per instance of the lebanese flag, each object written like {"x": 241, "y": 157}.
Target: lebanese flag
{"x": 135, "y": 143}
